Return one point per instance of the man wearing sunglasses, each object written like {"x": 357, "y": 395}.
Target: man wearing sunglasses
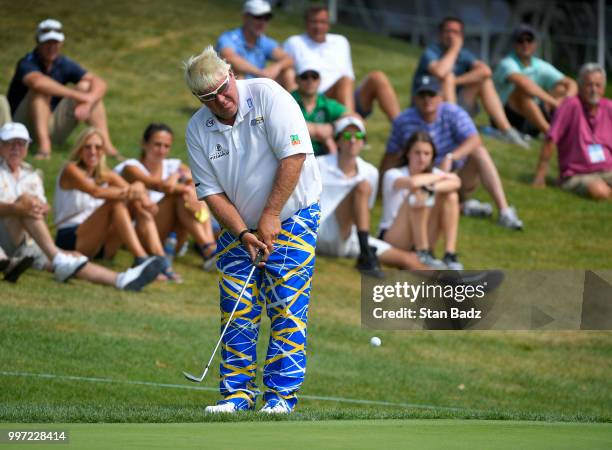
{"x": 248, "y": 49}
{"x": 459, "y": 149}
{"x": 319, "y": 111}
{"x": 529, "y": 87}
{"x": 252, "y": 162}
{"x": 463, "y": 77}
{"x": 39, "y": 95}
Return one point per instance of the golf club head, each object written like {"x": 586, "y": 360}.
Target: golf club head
{"x": 194, "y": 378}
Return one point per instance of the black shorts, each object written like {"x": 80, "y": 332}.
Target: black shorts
{"x": 66, "y": 239}
{"x": 520, "y": 123}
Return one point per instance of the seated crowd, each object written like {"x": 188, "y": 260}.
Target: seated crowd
{"x": 434, "y": 157}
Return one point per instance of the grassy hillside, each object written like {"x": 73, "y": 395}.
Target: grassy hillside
{"x": 88, "y": 331}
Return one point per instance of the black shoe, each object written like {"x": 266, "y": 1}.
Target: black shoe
{"x": 368, "y": 264}
{"x": 17, "y": 267}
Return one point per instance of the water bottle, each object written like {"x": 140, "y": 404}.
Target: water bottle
{"x": 170, "y": 245}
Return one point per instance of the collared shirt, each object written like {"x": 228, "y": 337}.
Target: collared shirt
{"x": 574, "y": 130}
{"x": 241, "y": 160}
{"x": 326, "y": 110}
{"x": 333, "y": 56}
{"x": 29, "y": 182}
{"x": 539, "y": 71}
{"x": 336, "y": 185}
{"x": 170, "y": 166}
{"x": 257, "y": 55}
{"x": 63, "y": 70}
{"x": 449, "y": 130}
{"x": 464, "y": 62}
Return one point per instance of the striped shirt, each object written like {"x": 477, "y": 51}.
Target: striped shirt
{"x": 450, "y": 129}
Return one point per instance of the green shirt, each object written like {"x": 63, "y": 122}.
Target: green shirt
{"x": 327, "y": 110}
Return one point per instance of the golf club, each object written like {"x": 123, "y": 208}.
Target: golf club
{"x": 195, "y": 379}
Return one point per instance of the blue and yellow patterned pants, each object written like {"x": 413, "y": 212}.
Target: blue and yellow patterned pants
{"x": 283, "y": 287}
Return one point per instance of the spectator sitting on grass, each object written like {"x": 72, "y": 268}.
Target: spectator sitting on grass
{"x": 420, "y": 202}
{"x": 247, "y": 48}
{"x": 529, "y": 87}
{"x": 96, "y": 210}
{"x": 463, "y": 77}
{"x": 171, "y": 188}
{"x": 336, "y": 67}
{"x": 40, "y": 98}
{"x": 458, "y": 146}
{"x": 582, "y": 131}
{"x": 24, "y": 232}
{"x": 319, "y": 111}
{"x": 349, "y": 192}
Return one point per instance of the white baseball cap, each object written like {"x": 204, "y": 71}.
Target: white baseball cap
{"x": 308, "y": 64}
{"x": 49, "y": 30}
{"x": 257, "y": 7}
{"x": 347, "y": 121}
{"x": 14, "y": 130}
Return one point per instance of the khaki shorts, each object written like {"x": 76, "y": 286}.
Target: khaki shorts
{"x": 579, "y": 183}
{"x": 62, "y": 120}
{"x": 330, "y": 243}
{"x": 27, "y": 247}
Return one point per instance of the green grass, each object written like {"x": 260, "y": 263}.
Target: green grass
{"x": 83, "y": 330}
{"x": 354, "y": 434}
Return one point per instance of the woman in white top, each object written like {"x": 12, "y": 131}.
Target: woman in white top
{"x": 170, "y": 186}
{"x": 420, "y": 202}
{"x": 94, "y": 207}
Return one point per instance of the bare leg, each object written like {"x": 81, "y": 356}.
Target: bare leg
{"x": 376, "y": 86}
{"x": 493, "y": 105}
{"x": 529, "y": 109}
{"x": 449, "y": 88}
{"x": 445, "y": 218}
{"x": 287, "y": 79}
{"x": 402, "y": 259}
{"x": 40, "y": 110}
{"x": 147, "y": 231}
{"x": 480, "y": 166}
{"x": 343, "y": 91}
{"x": 409, "y": 228}
{"x": 97, "y": 274}
{"x": 354, "y": 210}
{"x": 599, "y": 190}
{"x": 98, "y": 120}
{"x": 37, "y": 228}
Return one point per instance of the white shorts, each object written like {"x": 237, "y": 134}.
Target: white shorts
{"x": 330, "y": 244}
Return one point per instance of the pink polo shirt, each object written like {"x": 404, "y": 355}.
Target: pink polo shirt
{"x": 574, "y": 130}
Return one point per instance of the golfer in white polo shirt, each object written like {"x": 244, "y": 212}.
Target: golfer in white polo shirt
{"x": 252, "y": 162}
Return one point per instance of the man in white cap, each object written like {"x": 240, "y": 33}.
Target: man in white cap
{"x": 23, "y": 229}
{"x": 319, "y": 111}
{"x": 39, "y": 95}
{"x": 252, "y": 162}
{"x": 248, "y": 49}
{"x": 349, "y": 192}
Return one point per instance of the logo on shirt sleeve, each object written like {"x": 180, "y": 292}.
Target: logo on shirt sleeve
{"x": 295, "y": 139}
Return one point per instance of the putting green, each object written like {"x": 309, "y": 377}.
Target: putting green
{"x": 361, "y": 434}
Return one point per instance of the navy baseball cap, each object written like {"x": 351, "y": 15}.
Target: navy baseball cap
{"x": 426, "y": 83}
{"x": 522, "y": 29}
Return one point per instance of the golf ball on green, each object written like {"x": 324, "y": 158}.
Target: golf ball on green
{"x": 375, "y": 341}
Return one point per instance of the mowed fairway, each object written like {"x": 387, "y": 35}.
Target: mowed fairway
{"x": 108, "y": 364}
{"x": 331, "y": 435}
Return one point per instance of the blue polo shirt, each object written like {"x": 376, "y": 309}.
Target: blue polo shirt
{"x": 465, "y": 61}
{"x": 257, "y": 55}
{"x": 450, "y": 129}
{"x": 63, "y": 70}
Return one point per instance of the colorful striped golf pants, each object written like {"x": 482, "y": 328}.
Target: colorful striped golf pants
{"x": 283, "y": 288}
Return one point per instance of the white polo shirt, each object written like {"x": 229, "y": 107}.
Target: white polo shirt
{"x": 333, "y": 56}
{"x": 336, "y": 185}
{"x": 241, "y": 160}
{"x": 29, "y": 182}
{"x": 393, "y": 198}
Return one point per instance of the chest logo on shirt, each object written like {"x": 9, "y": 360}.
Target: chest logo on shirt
{"x": 250, "y": 102}
{"x": 257, "y": 120}
{"x": 219, "y": 152}
{"x": 210, "y": 122}
{"x": 295, "y": 139}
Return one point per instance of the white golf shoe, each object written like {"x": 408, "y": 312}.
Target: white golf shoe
{"x": 65, "y": 265}
{"x": 227, "y": 408}
{"x": 275, "y": 407}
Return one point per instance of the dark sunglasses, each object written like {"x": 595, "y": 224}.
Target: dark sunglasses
{"x": 309, "y": 74}
{"x": 264, "y": 17}
{"x": 424, "y": 94}
{"x": 213, "y": 95}
{"x": 523, "y": 39}
{"x": 347, "y": 135}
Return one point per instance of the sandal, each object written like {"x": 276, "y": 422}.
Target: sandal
{"x": 170, "y": 274}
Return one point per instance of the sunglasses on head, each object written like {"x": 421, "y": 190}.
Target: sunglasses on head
{"x": 309, "y": 74}
{"x": 209, "y": 97}
{"x": 264, "y": 17}
{"x": 347, "y": 135}
{"x": 523, "y": 39}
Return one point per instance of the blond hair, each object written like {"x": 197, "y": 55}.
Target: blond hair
{"x": 203, "y": 71}
{"x": 75, "y": 154}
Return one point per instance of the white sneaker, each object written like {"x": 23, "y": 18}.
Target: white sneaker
{"x": 427, "y": 258}
{"x": 227, "y": 408}
{"x": 508, "y": 218}
{"x": 512, "y": 136}
{"x": 279, "y": 408}
{"x": 65, "y": 265}
{"x": 135, "y": 278}
{"x": 476, "y": 208}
